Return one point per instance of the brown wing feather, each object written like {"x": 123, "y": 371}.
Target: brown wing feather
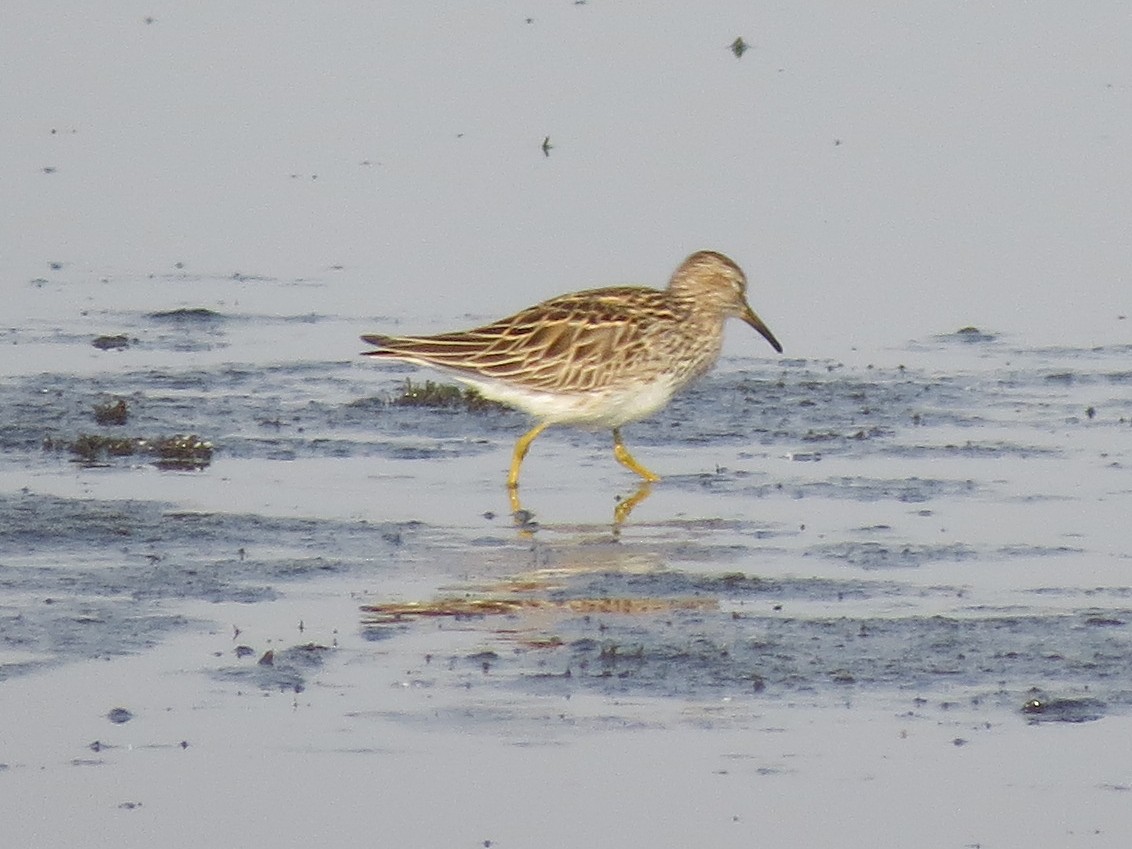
{"x": 576, "y": 342}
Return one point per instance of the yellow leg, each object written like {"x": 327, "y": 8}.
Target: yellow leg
{"x": 626, "y": 459}
{"x": 521, "y": 449}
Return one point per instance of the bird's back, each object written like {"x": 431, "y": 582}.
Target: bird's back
{"x": 582, "y": 342}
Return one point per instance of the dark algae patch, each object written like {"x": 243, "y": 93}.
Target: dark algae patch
{"x": 92, "y": 449}
{"x": 115, "y": 412}
{"x": 443, "y": 396}
{"x": 180, "y": 452}
{"x": 188, "y": 314}
{"x": 183, "y": 452}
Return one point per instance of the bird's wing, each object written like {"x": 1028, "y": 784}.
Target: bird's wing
{"x": 574, "y": 343}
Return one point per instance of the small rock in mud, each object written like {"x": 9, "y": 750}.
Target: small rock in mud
{"x": 119, "y": 715}
{"x": 111, "y": 343}
{"x": 1041, "y": 709}
{"x": 973, "y": 334}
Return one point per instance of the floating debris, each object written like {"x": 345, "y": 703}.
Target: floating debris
{"x": 739, "y": 47}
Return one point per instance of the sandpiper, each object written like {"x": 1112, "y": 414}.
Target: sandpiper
{"x": 598, "y": 358}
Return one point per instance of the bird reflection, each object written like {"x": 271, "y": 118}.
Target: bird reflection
{"x": 526, "y": 525}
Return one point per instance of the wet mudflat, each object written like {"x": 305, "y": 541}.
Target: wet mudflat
{"x": 848, "y": 574}
{"x": 249, "y": 598}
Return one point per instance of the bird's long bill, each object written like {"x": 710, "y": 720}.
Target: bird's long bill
{"x": 748, "y": 315}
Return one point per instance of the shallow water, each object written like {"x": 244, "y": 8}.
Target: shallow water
{"x": 901, "y": 527}
{"x": 933, "y": 543}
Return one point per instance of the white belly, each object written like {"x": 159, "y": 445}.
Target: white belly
{"x": 605, "y": 409}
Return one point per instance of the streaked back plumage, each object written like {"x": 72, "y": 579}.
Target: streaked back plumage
{"x": 601, "y": 356}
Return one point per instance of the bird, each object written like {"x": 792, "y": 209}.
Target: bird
{"x": 598, "y": 358}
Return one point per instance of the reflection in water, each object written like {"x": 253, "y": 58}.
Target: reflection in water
{"x": 625, "y": 506}
{"x": 540, "y": 606}
{"x": 524, "y": 519}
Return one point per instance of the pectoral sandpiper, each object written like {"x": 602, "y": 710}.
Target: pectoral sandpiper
{"x": 598, "y": 358}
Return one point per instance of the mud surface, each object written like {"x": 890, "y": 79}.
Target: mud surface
{"x": 945, "y": 524}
